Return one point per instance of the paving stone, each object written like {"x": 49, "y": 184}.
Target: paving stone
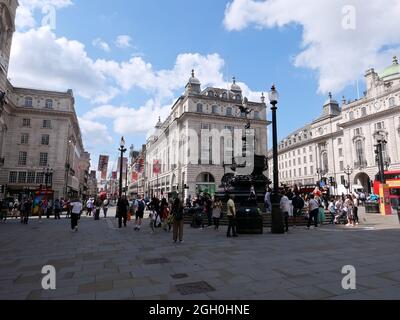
{"x": 96, "y": 287}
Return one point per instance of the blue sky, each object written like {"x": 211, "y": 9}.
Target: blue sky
{"x": 121, "y": 89}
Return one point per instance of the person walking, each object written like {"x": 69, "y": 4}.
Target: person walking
{"x": 140, "y": 214}
{"x": 267, "y": 201}
{"x": 285, "y": 209}
{"x": 208, "y": 209}
{"x": 89, "y": 207}
{"x": 216, "y": 214}
{"x": 298, "y": 206}
{"x": 122, "y": 211}
{"x": 97, "y": 206}
{"x": 177, "y": 212}
{"x": 332, "y": 210}
{"x": 349, "y": 208}
{"x": 164, "y": 213}
{"x": 76, "y": 210}
{"x": 27, "y": 210}
{"x": 313, "y": 211}
{"x": 231, "y": 217}
{"x": 106, "y": 204}
{"x": 57, "y": 209}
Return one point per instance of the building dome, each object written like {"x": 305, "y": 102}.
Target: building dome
{"x": 159, "y": 123}
{"x": 194, "y": 80}
{"x": 235, "y": 87}
{"x": 392, "y": 72}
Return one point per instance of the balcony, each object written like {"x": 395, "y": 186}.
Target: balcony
{"x": 360, "y": 164}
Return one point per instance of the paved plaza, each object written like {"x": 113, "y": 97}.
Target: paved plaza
{"x": 104, "y": 262}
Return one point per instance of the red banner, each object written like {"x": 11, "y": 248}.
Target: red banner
{"x": 134, "y": 176}
{"x": 156, "y": 167}
{"x": 124, "y": 167}
{"x": 103, "y": 165}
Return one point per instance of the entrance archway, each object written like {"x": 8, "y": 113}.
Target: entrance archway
{"x": 362, "y": 179}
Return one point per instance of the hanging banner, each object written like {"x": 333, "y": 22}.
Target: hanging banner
{"x": 103, "y": 165}
{"x": 156, "y": 167}
{"x": 124, "y": 166}
{"x": 134, "y": 176}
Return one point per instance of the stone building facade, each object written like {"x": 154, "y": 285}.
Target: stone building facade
{"x": 189, "y": 162}
{"x": 39, "y": 131}
{"x": 345, "y": 137}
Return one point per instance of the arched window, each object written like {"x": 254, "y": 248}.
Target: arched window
{"x": 200, "y": 108}
{"x": 391, "y": 102}
{"x": 214, "y": 109}
{"x": 211, "y": 93}
{"x": 229, "y": 111}
{"x": 49, "y": 104}
{"x": 28, "y": 102}
{"x": 325, "y": 163}
{"x": 224, "y": 95}
{"x": 363, "y": 112}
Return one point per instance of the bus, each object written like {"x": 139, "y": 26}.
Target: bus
{"x": 393, "y": 181}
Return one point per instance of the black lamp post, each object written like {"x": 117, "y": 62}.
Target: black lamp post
{"x": 48, "y": 174}
{"x": 348, "y": 171}
{"x": 2, "y": 100}
{"x": 122, "y": 149}
{"x": 277, "y": 217}
{"x": 379, "y": 152}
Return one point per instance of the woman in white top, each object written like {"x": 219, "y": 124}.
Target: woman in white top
{"x": 313, "y": 209}
{"x": 285, "y": 208}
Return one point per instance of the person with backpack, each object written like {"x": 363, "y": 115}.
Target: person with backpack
{"x": 139, "y": 213}
{"x": 298, "y": 206}
{"x": 177, "y": 212}
{"x": 106, "y": 204}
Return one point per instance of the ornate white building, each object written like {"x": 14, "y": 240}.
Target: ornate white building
{"x": 190, "y": 162}
{"x": 39, "y": 131}
{"x": 345, "y": 136}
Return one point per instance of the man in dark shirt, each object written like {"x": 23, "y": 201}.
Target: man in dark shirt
{"x": 27, "y": 210}
{"x": 122, "y": 210}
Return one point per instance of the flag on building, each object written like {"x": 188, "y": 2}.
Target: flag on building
{"x": 134, "y": 176}
{"x": 124, "y": 166}
{"x": 156, "y": 167}
{"x": 103, "y": 165}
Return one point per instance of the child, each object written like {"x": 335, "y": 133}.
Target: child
{"x": 332, "y": 210}
{"x": 152, "y": 218}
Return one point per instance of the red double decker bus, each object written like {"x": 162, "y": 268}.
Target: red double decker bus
{"x": 393, "y": 181}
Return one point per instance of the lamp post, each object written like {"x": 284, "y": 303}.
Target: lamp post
{"x": 348, "y": 171}
{"x": 277, "y": 217}
{"x": 379, "y": 152}
{"x": 122, "y": 149}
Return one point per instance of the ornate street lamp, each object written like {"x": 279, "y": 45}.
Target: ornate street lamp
{"x": 348, "y": 171}
{"x": 277, "y": 217}
{"x": 381, "y": 143}
{"x": 48, "y": 174}
{"x": 122, "y": 149}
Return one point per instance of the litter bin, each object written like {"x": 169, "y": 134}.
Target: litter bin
{"x": 372, "y": 207}
{"x": 249, "y": 221}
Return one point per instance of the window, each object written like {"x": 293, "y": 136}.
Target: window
{"x": 199, "y": 107}
{"x": 24, "y": 138}
{"x": 290, "y": 163}
{"x": 49, "y": 104}
{"x": 45, "y": 139}
{"x": 325, "y": 161}
{"x": 26, "y": 123}
{"x": 298, "y": 152}
{"x": 340, "y": 152}
{"x": 229, "y": 111}
{"x": 339, "y": 141}
{"x": 342, "y": 181}
{"x": 341, "y": 164}
{"x": 351, "y": 115}
{"x": 39, "y": 178}
{"x": 311, "y": 158}
{"x": 299, "y": 172}
{"x": 224, "y": 96}
{"x": 305, "y": 171}
{"x": 28, "y": 102}
{"x": 360, "y": 155}
{"x": 22, "y": 177}
{"x": 304, "y": 150}
{"x": 243, "y": 114}
{"x": 205, "y": 126}
{"x": 294, "y": 162}
{"x": 31, "y": 177}
{"x": 13, "y": 177}
{"x": 22, "y": 158}
{"x": 294, "y": 172}
{"x": 214, "y": 109}
{"x": 391, "y": 102}
{"x": 43, "y": 159}
{"x": 230, "y": 128}
{"x": 311, "y": 170}
{"x": 305, "y": 160}
{"x": 46, "y": 124}
{"x": 256, "y": 115}
{"x": 363, "y": 112}
{"x": 357, "y": 131}
{"x": 380, "y": 125}
{"x": 310, "y": 148}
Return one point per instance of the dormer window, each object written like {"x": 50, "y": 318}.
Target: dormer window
{"x": 224, "y": 95}
{"x": 49, "y": 104}
{"x": 210, "y": 93}
{"x": 391, "y": 102}
{"x": 200, "y": 108}
{"x": 28, "y": 102}
{"x": 214, "y": 109}
{"x": 229, "y": 111}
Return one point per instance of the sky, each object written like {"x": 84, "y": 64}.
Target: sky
{"x": 128, "y": 61}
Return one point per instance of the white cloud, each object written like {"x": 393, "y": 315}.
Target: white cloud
{"x": 94, "y": 133}
{"x": 57, "y": 64}
{"x": 339, "y": 55}
{"x": 27, "y": 8}
{"x": 101, "y": 44}
{"x": 123, "y": 41}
